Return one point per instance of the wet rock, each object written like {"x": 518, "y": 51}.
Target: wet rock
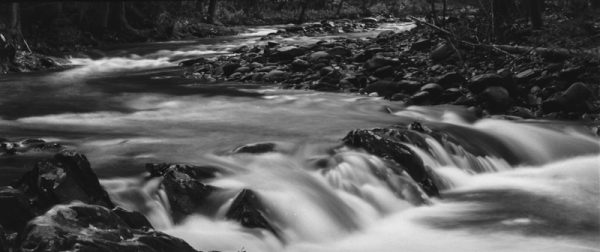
{"x": 65, "y": 178}
{"x": 526, "y": 75}
{"x": 367, "y": 54}
{"x": 340, "y": 51}
{"x": 384, "y": 88}
{"x": 276, "y": 76}
{"x": 248, "y": 209}
{"x": 571, "y": 74}
{"x": 421, "y": 45}
{"x": 452, "y": 79}
{"x": 300, "y": 65}
{"x": 572, "y": 99}
{"x": 185, "y": 191}
{"x": 441, "y": 52}
{"x": 80, "y": 227}
{"x": 399, "y": 97}
{"x": 480, "y": 82}
{"x": 193, "y": 171}
{"x": 288, "y": 53}
{"x": 243, "y": 69}
{"x": 433, "y": 88}
{"x": 230, "y": 68}
{"x": 317, "y": 56}
{"x": 133, "y": 219}
{"x": 380, "y": 61}
{"x": 384, "y": 72}
{"x": 388, "y": 144}
{"x": 257, "y": 148}
{"x": 496, "y": 99}
{"x": 15, "y": 210}
{"x": 421, "y": 98}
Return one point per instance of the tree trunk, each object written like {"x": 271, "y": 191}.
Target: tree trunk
{"x": 500, "y": 17}
{"x": 536, "y": 8}
{"x": 433, "y": 14}
{"x": 339, "y": 8}
{"x": 15, "y": 22}
{"x": 212, "y": 11}
{"x": 302, "y": 16}
{"x": 444, "y": 11}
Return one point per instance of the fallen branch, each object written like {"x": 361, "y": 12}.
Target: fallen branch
{"x": 509, "y": 50}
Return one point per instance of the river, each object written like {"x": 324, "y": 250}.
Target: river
{"x": 132, "y": 106}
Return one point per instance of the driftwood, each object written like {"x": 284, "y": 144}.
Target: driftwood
{"x": 509, "y": 50}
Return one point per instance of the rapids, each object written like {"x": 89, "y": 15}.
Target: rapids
{"x": 506, "y": 185}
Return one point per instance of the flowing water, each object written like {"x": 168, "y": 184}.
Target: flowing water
{"x": 506, "y": 185}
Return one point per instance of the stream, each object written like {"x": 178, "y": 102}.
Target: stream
{"x": 130, "y": 106}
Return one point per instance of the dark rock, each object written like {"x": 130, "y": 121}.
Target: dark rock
{"x": 340, "y": 51}
{"x": 496, "y": 99}
{"x": 65, "y": 178}
{"x": 571, "y": 74}
{"x": 248, "y": 209}
{"x": 15, "y": 211}
{"x": 257, "y": 148}
{"x": 389, "y": 144}
{"x": 133, "y": 219}
{"x": 380, "y": 61}
{"x": 399, "y": 97}
{"x": 276, "y": 76}
{"x": 288, "y": 53}
{"x": 367, "y": 54}
{"x": 230, "y": 68}
{"x": 480, "y": 82}
{"x": 317, "y": 56}
{"x": 186, "y": 193}
{"x": 452, "y": 79}
{"x": 326, "y": 70}
{"x": 573, "y": 99}
{"x": 80, "y": 227}
{"x": 193, "y": 171}
{"x": 384, "y": 88}
{"x": 421, "y": 45}
{"x": 384, "y": 72}
{"x": 442, "y": 52}
{"x": 243, "y": 69}
{"x": 300, "y": 65}
{"x": 421, "y": 98}
{"x": 526, "y": 75}
{"x": 433, "y": 88}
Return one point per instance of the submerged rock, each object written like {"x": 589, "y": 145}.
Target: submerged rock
{"x": 81, "y": 227}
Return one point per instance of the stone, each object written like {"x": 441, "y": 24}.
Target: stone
{"x": 452, "y": 79}
{"x": 247, "y": 208}
{"x": 243, "y": 69}
{"x": 384, "y": 72}
{"x": 317, "y": 56}
{"x": 385, "y": 35}
{"x": 369, "y": 20}
{"x": 257, "y": 148}
{"x": 421, "y": 45}
{"x": 15, "y": 211}
{"x": 300, "y": 65}
{"x": 388, "y": 143}
{"x": 276, "y": 76}
{"x": 133, "y": 219}
{"x": 65, "y": 178}
{"x": 421, "y": 98}
{"x": 80, "y": 227}
{"x": 367, "y": 54}
{"x": 433, "y": 88}
{"x": 380, "y": 61}
{"x": 480, "y": 82}
{"x": 384, "y": 88}
{"x": 230, "y": 68}
{"x": 496, "y": 99}
{"x": 287, "y": 53}
{"x": 441, "y": 52}
{"x": 340, "y": 51}
{"x": 526, "y": 75}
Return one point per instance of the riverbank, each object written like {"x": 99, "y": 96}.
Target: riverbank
{"x": 423, "y": 66}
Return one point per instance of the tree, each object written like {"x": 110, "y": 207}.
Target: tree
{"x": 303, "y": 9}
{"x": 212, "y": 11}
{"x": 536, "y": 8}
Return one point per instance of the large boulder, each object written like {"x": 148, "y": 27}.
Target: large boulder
{"x": 65, "y": 178}
{"x": 287, "y": 53}
{"x": 81, "y": 227}
{"x": 496, "y": 99}
{"x": 572, "y": 99}
{"x": 248, "y": 209}
{"x": 388, "y": 144}
{"x": 15, "y": 211}
{"x": 276, "y": 76}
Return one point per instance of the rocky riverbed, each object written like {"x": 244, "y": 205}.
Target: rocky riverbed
{"x": 417, "y": 67}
